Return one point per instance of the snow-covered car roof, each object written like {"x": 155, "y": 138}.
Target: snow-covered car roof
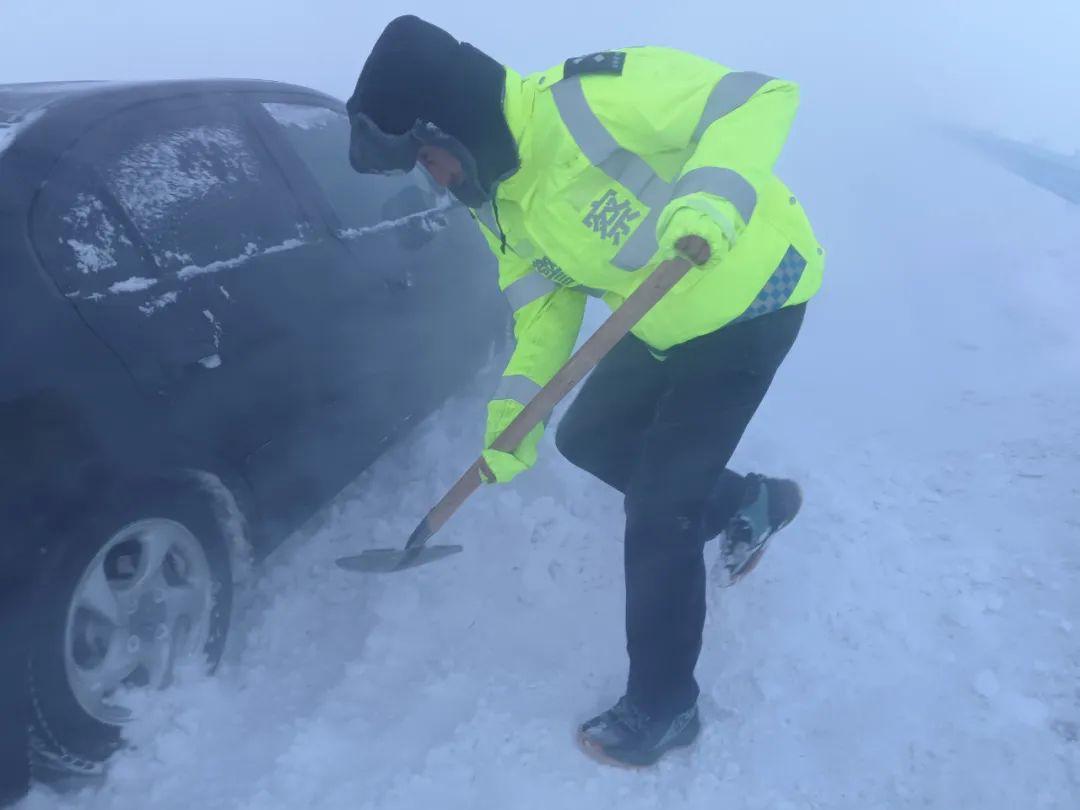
{"x": 23, "y": 104}
{"x": 19, "y": 100}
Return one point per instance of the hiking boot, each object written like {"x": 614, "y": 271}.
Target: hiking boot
{"x": 626, "y": 735}
{"x": 769, "y": 504}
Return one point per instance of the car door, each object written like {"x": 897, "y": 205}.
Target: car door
{"x": 444, "y": 311}
{"x": 175, "y": 233}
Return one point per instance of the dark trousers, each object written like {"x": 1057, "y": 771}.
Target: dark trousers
{"x": 662, "y": 433}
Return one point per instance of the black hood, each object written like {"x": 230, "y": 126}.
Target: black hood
{"x": 419, "y": 73}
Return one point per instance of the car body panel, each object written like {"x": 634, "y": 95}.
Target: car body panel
{"x": 286, "y": 359}
{"x": 182, "y": 290}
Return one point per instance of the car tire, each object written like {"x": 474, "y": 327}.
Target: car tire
{"x": 168, "y": 523}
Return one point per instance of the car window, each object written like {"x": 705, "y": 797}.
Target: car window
{"x": 200, "y": 192}
{"x": 320, "y": 136}
{"x": 83, "y": 239}
{"x": 98, "y": 260}
{"x": 157, "y": 225}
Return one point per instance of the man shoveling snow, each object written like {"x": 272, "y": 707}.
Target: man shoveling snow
{"x": 585, "y": 178}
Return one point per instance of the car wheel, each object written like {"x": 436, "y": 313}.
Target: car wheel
{"x": 137, "y": 585}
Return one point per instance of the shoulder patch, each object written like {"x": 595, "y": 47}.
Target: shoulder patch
{"x": 604, "y": 62}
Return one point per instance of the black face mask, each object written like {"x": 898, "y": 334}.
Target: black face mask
{"x": 470, "y": 194}
{"x": 372, "y": 151}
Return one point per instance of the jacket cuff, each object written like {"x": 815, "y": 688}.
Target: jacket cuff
{"x": 694, "y": 217}
{"x": 500, "y": 413}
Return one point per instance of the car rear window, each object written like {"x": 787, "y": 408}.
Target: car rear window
{"x": 183, "y": 167}
{"x": 320, "y": 136}
{"x": 143, "y": 223}
{"x": 85, "y": 242}
{"x": 199, "y": 193}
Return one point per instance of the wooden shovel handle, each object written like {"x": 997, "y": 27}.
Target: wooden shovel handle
{"x": 644, "y": 298}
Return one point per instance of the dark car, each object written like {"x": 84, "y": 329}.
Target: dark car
{"x": 209, "y": 326}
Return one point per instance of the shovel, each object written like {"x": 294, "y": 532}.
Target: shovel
{"x": 416, "y": 551}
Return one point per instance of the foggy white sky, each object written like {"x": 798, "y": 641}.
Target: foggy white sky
{"x": 1006, "y": 64}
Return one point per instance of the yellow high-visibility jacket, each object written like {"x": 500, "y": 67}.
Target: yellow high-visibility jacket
{"x": 622, "y": 153}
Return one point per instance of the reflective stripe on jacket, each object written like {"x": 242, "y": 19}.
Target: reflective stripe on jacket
{"x": 616, "y": 168}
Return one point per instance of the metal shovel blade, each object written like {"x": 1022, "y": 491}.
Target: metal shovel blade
{"x": 388, "y": 560}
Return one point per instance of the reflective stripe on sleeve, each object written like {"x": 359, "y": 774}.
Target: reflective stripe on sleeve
{"x": 518, "y": 388}
{"x": 527, "y": 289}
{"x": 725, "y": 183}
{"x": 730, "y": 93}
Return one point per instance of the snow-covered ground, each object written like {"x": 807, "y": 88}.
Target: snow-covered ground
{"x": 913, "y": 641}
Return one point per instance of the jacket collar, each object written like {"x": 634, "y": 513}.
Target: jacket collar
{"x": 519, "y": 97}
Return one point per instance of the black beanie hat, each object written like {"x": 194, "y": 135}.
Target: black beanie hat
{"x": 419, "y": 72}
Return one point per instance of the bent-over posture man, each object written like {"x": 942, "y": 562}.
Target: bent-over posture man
{"x": 584, "y": 178}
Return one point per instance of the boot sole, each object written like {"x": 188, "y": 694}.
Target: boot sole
{"x": 596, "y": 753}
